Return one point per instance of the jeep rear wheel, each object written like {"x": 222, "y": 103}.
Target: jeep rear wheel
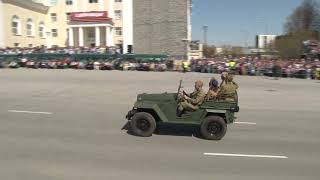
{"x": 143, "y": 124}
{"x": 213, "y": 128}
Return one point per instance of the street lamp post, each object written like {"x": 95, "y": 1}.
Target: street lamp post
{"x": 205, "y": 33}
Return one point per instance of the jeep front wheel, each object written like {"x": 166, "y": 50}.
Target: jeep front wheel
{"x": 143, "y": 124}
{"x": 213, "y": 128}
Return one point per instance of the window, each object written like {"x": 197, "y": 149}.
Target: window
{"x": 54, "y": 32}
{"x": 265, "y": 41}
{"x": 41, "y": 30}
{"x": 119, "y": 31}
{"x": 69, "y": 2}
{"x": 30, "y": 45}
{"x": 117, "y": 14}
{"x": 16, "y": 44}
{"x": 30, "y": 27}
{"x": 91, "y": 33}
{"x": 68, "y": 15}
{"x": 53, "y": 17}
{"x": 93, "y": 1}
{"x": 117, "y": 0}
{"x": 16, "y": 25}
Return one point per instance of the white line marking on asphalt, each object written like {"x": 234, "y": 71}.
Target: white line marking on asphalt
{"x": 246, "y": 123}
{"x": 29, "y": 112}
{"x": 245, "y": 155}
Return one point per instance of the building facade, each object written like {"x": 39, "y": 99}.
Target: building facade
{"x": 162, "y": 27}
{"x": 89, "y": 23}
{"x": 196, "y": 50}
{"x": 139, "y": 26}
{"x": 22, "y": 23}
{"x": 68, "y": 23}
{"x": 265, "y": 41}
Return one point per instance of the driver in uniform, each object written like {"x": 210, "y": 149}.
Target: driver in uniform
{"x": 191, "y": 102}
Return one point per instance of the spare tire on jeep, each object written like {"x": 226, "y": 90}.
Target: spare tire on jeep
{"x": 143, "y": 124}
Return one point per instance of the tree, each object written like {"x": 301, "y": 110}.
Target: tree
{"x": 290, "y": 46}
{"x": 303, "y": 24}
{"x": 209, "y": 51}
{"x": 306, "y": 17}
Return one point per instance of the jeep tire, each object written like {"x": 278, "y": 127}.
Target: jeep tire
{"x": 143, "y": 124}
{"x": 213, "y": 128}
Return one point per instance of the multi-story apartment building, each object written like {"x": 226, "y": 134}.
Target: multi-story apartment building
{"x": 162, "y": 26}
{"x": 265, "y": 41}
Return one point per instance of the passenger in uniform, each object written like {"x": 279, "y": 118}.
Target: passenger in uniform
{"x": 223, "y": 77}
{"x": 192, "y": 101}
{"x": 228, "y": 89}
{"x": 213, "y": 89}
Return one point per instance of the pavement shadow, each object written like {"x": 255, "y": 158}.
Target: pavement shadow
{"x": 167, "y": 129}
{"x": 127, "y": 128}
{"x": 178, "y": 130}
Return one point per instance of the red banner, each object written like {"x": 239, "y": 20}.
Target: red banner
{"x": 91, "y": 16}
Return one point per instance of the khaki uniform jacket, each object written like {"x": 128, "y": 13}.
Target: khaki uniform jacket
{"x": 197, "y": 97}
{"x": 212, "y": 94}
{"x": 228, "y": 91}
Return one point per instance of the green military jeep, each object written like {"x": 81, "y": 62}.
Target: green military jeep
{"x": 151, "y": 109}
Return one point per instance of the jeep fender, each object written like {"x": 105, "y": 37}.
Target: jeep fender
{"x": 223, "y": 113}
{"x": 153, "y": 107}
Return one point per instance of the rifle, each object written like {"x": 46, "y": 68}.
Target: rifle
{"x": 179, "y": 89}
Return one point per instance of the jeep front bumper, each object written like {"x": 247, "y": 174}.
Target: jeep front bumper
{"x": 131, "y": 113}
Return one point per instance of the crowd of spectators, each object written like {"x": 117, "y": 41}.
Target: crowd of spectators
{"x": 59, "y": 50}
{"x": 253, "y": 66}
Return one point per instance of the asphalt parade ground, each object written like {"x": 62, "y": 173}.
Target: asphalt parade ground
{"x": 67, "y": 125}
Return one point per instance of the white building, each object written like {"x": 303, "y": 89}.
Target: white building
{"x": 90, "y": 23}
{"x": 195, "y": 50}
{"x": 79, "y": 23}
{"x": 264, "y": 41}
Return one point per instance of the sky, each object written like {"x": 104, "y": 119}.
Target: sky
{"x": 237, "y": 22}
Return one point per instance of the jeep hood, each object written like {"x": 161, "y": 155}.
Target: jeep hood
{"x": 163, "y": 97}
